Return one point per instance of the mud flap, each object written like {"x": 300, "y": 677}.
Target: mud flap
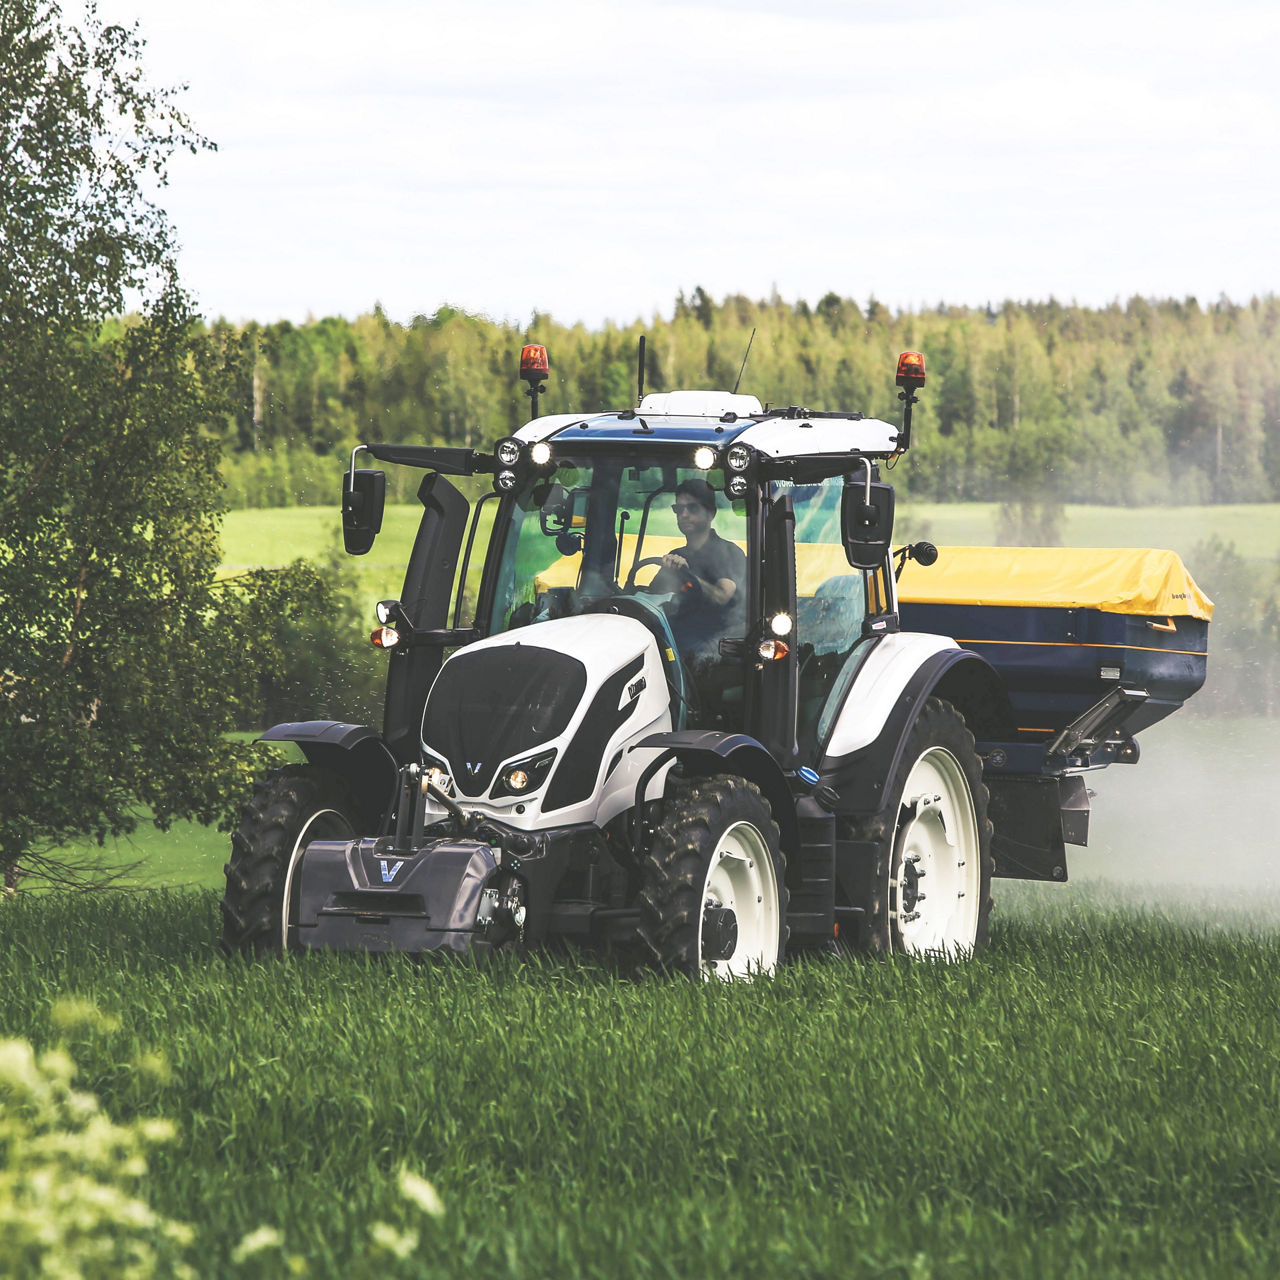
{"x": 1033, "y": 819}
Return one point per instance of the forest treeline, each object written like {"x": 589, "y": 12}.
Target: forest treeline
{"x": 1142, "y": 402}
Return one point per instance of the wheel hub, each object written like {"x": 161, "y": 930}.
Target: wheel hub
{"x": 719, "y": 932}
{"x": 910, "y": 882}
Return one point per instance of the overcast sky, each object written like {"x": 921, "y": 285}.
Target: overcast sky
{"x": 593, "y": 159}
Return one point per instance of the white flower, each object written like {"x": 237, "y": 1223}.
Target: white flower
{"x": 421, "y": 1193}
{"x": 397, "y": 1243}
{"x": 256, "y": 1242}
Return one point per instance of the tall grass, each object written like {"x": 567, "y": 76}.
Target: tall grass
{"x": 1095, "y": 1095}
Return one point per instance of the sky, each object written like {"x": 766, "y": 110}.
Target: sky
{"x": 594, "y": 159}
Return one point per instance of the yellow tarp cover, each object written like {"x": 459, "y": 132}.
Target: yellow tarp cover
{"x": 1120, "y": 580}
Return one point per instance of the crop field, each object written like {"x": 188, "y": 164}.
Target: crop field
{"x": 279, "y": 535}
{"x": 1094, "y": 1095}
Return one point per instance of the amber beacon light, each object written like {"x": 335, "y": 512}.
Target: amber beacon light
{"x": 534, "y": 369}
{"x": 911, "y": 370}
{"x": 910, "y": 379}
{"x": 534, "y": 365}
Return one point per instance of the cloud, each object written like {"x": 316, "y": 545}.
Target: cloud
{"x": 412, "y": 152}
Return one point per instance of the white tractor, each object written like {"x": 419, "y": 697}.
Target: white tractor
{"x": 687, "y": 719}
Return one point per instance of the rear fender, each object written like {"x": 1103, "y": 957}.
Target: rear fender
{"x": 866, "y": 745}
{"x": 702, "y": 753}
{"x": 356, "y": 753}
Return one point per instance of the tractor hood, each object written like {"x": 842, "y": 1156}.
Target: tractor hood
{"x": 537, "y": 721}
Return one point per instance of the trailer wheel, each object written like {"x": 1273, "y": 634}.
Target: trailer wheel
{"x": 929, "y": 891}
{"x": 290, "y": 807}
{"x": 713, "y": 903}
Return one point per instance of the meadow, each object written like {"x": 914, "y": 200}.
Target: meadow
{"x": 1094, "y": 1095}
{"x": 275, "y": 536}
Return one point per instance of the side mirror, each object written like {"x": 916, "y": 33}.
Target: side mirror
{"x": 364, "y": 495}
{"x": 866, "y": 523}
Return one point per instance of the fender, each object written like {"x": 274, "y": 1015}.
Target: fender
{"x": 703, "y": 752}
{"x": 866, "y": 745}
{"x": 356, "y": 753}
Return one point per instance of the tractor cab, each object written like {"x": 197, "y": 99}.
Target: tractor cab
{"x": 751, "y": 545}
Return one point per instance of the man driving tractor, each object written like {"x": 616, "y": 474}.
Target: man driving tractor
{"x": 709, "y": 572}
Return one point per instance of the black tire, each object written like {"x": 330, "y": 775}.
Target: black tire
{"x": 939, "y": 753}
{"x": 716, "y": 848}
{"x": 288, "y": 804}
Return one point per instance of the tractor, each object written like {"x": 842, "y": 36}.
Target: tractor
{"x": 658, "y": 689}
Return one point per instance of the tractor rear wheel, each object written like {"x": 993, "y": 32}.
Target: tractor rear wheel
{"x": 713, "y": 903}
{"x": 928, "y": 888}
{"x": 289, "y": 808}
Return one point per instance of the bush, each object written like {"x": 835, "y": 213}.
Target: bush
{"x": 70, "y": 1176}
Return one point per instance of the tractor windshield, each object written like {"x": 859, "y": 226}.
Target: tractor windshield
{"x": 601, "y": 527}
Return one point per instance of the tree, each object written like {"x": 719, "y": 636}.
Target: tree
{"x": 121, "y": 655}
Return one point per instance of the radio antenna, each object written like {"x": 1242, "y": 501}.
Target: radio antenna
{"x": 640, "y": 373}
{"x": 750, "y": 340}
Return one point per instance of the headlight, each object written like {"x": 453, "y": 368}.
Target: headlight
{"x": 704, "y": 458}
{"x": 523, "y": 777}
{"x": 507, "y": 452}
{"x": 540, "y": 453}
{"x": 737, "y": 487}
{"x": 738, "y": 458}
{"x": 505, "y": 481}
{"x": 780, "y": 624}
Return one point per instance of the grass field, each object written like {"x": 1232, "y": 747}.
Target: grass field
{"x": 1095, "y": 1095}
{"x": 279, "y": 535}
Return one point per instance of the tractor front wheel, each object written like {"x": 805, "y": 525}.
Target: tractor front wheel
{"x": 714, "y": 899}
{"x": 289, "y": 808}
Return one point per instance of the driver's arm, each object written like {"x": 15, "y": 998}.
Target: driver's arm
{"x": 718, "y": 593}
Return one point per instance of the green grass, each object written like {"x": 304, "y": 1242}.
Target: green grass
{"x": 279, "y": 535}
{"x": 1254, "y": 528}
{"x": 1095, "y": 1095}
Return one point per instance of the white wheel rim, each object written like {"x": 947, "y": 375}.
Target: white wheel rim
{"x": 936, "y": 876}
{"x": 324, "y": 824}
{"x": 741, "y": 879}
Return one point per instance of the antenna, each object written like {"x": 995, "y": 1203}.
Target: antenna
{"x": 640, "y": 373}
{"x": 750, "y": 340}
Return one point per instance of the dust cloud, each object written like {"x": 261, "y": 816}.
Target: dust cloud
{"x": 1195, "y": 823}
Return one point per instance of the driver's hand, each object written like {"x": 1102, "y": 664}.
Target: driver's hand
{"x": 673, "y": 561}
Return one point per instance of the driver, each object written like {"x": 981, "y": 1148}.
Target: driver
{"x": 708, "y": 574}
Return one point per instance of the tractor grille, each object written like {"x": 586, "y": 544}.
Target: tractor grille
{"x": 490, "y": 704}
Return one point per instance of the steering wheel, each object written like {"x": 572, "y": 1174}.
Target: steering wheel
{"x": 635, "y": 568}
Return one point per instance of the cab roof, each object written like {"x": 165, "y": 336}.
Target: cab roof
{"x": 675, "y": 418}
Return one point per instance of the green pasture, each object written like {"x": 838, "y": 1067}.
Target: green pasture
{"x": 1096, "y": 1095}
{"x": 1253, "y": 528}
{"x": 276, "y": 536}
